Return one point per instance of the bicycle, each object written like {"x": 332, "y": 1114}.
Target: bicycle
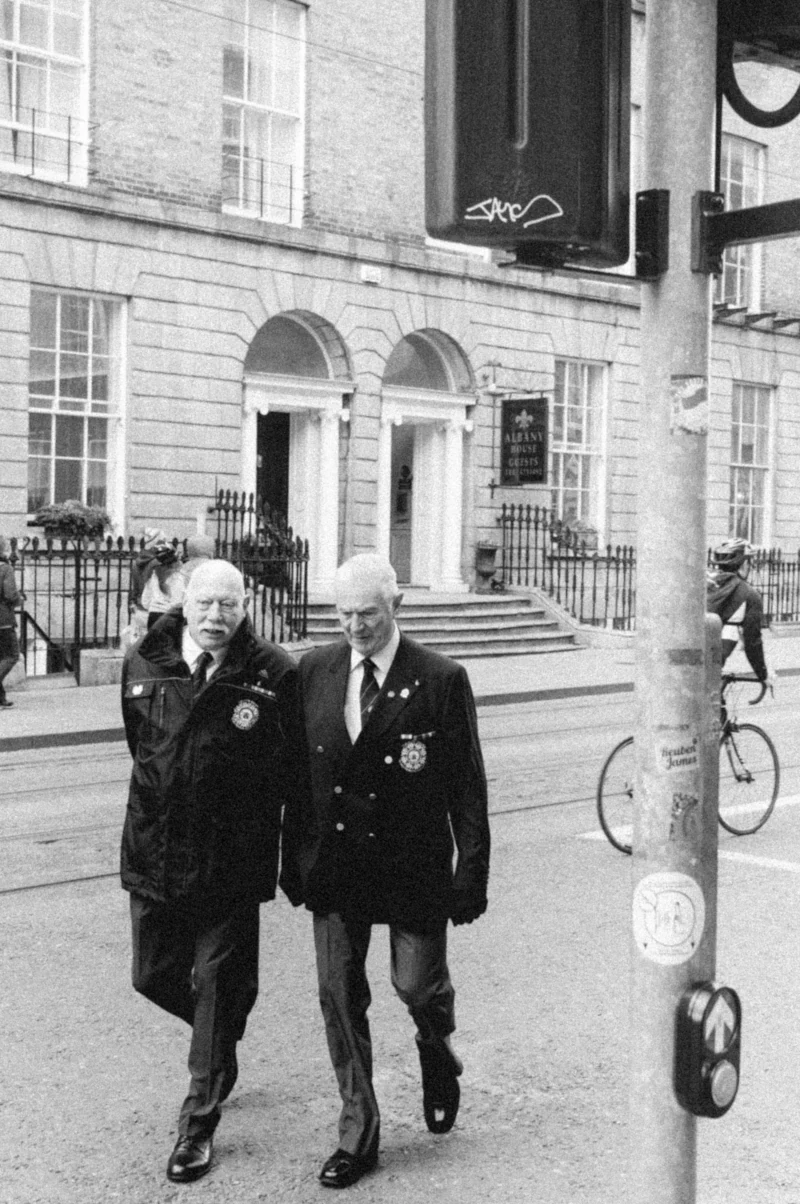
{"x": 749, "y": 777}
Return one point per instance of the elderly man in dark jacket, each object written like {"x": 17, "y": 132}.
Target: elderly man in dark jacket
{"x": 397, "y": 777}
{"x": 212, "y": 720}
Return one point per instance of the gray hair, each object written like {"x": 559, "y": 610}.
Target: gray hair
{"x": 370, "y": 569}
{"x": 212, "y": 570}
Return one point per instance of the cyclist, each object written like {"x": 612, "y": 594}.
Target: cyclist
{"x": 737, "y": 603}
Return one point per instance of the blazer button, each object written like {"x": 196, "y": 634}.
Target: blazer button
{"x": 340, "y": 827}
{"x": 388, "y": 760}
{"x": 337, "y": 790}
{"x": 320, "y": 748}
{"x": 372, "y": 798}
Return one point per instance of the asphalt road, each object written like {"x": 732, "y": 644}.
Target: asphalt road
{"x": 92, "y": 1075}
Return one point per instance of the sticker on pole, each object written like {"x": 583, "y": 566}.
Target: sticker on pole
{"x": 689, "y": 404}
{"x": 669, "y": 916}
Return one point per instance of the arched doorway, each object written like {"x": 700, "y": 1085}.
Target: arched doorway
{"x": 296, "y": 380}
{"x": 427, "y": 386}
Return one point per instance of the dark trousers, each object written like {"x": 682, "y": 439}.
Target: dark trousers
{"x": 9, "y": 654}
{"x": 201, "y": 966}
{"x": 420, "y": 977}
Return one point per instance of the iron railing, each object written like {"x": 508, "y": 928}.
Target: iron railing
{"x": 44, "y": 143}
{"x": 76, "y": 591}
{"x": 597, "y": 585}
{"x": 257, "y": 539}
{"x": 259, "y": 186}
{"x": 594, "y": 585}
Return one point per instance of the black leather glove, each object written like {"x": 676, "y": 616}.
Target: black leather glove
{"x": 467, "y": 913}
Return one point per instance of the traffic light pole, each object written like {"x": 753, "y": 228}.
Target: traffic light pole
{"x": 675, "y": 828}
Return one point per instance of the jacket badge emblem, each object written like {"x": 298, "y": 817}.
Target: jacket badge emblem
{"x": 137, "y": 689}
{"x": 413, "y": 756}
{"x": 245, "y": 715}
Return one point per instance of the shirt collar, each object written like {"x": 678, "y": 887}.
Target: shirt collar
{"x": 381, "y": 660}
{"x": 191, "y": 651}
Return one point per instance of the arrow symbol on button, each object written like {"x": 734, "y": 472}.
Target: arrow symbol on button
{"x": 719, "y": 1019}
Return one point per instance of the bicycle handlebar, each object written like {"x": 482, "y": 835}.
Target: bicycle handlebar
{"x": 729, "y": 678}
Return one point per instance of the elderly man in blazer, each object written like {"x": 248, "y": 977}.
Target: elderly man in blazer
{"x": 397, "y": 777}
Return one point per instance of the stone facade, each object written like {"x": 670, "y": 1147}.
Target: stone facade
{"x": 193, "y": 284}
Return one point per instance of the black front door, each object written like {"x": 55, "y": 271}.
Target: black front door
{"x": 272, "y": 463}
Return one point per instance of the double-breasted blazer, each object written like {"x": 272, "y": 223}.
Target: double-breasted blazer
{"x": 390, "y": 810}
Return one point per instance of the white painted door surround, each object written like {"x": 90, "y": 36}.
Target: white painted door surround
{"x": 316, "y": 408}
{"x": 440, "y": 421}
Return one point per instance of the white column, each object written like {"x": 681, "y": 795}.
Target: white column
{"x": 383, "y": 516}
{"x": 324, "y": 550}
{"x": 450, "y": 579}
{"x": 249, "y": 448}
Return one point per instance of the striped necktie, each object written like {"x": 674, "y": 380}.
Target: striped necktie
{"x": 369, "y": 690}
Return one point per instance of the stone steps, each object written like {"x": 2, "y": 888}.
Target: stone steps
{"x": 464, "y": 625}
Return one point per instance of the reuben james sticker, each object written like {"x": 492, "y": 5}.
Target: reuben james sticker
{"x": 669, "y": 915}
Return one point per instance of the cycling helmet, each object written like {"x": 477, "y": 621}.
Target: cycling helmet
{"x": 731, "y": 554}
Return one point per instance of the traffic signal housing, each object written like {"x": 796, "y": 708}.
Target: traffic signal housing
{"x": 707, "y": 1049}
{"x": 527, "y": 121}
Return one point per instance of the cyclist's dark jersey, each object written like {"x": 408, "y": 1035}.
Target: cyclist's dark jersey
{"x": 739, "y": 606}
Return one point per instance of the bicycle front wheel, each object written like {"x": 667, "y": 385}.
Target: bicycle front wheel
{"x": 615, "y": 796}
{"x": 749, "y": 778}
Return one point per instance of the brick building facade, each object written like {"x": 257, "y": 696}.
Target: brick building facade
{"x": 215, "y": 274}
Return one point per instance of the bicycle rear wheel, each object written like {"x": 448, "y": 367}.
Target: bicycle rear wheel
{"x": 615, "y": 796}
{"x": 749, "y": 779}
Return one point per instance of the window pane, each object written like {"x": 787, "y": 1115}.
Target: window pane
{"x": 40, "y": 434}
{"x": 74, "y": 376}
{"x": 67, "y": 480}
{"x": 98, "y": 439}
{"x": 69, "y": 436}
{"x": 67, "y": 34}
{"x": 38, "y": 484}
{"x": 74, "y": 323}
{"x": 101, "y": 317}
{"x": 33, "y": 25}
{"x": 99, "y": 380}
{"x": 233, "y": 72}
{"x": 31, "y": 87}
{"x": 42, "y": 374}
{"x": 96, "y": 492}
{"x": 7, "y": 20}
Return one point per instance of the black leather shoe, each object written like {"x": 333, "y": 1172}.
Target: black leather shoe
{"x": 4, "y": 702}
{"x": 441, "y": 1093}
{"x": 343, "y": 1169}
{"x": 191, "y": 1159}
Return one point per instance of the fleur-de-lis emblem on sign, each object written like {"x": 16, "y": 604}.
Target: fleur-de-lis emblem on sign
{"x": 524, "y": 420}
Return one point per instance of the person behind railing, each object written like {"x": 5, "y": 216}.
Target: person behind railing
{"x": 737, "y": 603}
{"x": 10, "y": 598}
{"x": 152, "y": 539}
{"x": 164, "y": 583}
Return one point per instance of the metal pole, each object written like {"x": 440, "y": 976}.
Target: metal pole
{"x": 674, "y": 863}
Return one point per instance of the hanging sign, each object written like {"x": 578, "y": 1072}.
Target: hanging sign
{"x": 523, "y": 440}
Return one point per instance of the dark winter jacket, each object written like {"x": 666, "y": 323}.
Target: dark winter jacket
{"x": 739, "y": 606}
{"x": 212, "y": 772}
{"x": 388, "y": 808}
{"x": 9, "y": 595}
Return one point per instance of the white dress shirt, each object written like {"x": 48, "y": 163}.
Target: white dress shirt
{"x": 191, "y": 653}
{"x": 352, "y": 700}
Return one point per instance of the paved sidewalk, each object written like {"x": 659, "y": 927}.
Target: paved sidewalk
{"x": 49, "y": 712}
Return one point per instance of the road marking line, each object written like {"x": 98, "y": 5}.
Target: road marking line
{"x": 791, "y": 800}
{"x": 769, "y": 863}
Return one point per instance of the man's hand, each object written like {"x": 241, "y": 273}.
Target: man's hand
{"x": 468, "y": 913}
